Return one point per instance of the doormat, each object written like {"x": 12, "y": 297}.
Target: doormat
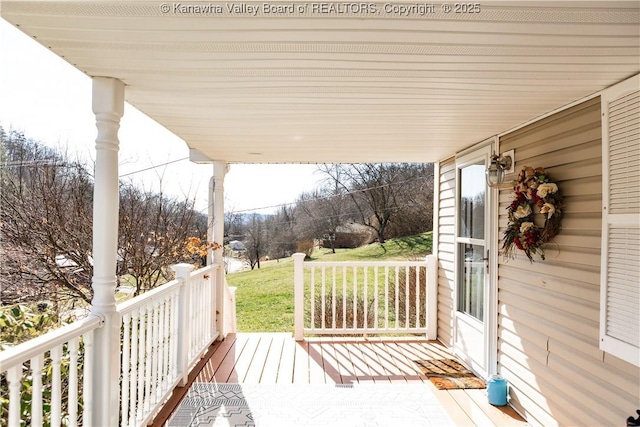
{"x": 447, "y": 374}
{"x": 305, "y": 405}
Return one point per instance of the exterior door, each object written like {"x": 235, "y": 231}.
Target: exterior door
{"x": 471, "y": 326}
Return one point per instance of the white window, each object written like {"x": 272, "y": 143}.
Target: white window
{"x": 620, "y": 276}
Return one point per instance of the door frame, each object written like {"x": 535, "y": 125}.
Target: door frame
{"x": 490, "y": 322}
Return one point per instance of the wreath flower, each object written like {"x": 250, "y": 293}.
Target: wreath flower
{"x": 533, "y": 189}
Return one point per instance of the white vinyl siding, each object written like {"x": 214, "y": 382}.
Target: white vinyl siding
{"x": 446, "y": 249}
{"x": 549, "y": 311}
{"x": 620, "y": 278}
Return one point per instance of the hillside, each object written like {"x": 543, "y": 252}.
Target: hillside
{"x": 264, "y": 297}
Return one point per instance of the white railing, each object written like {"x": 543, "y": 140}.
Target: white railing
{"x": 364, "y": 298}
{"x": 34, "y": 372}
{"x": 165, "y": 332}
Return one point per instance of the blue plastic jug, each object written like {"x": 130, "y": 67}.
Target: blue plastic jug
{"x": 497, "y": 390}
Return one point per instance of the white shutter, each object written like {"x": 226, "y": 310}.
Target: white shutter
{"x": 620, "y": 276}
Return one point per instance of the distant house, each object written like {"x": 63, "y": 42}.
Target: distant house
{"x": 237, "y": 245}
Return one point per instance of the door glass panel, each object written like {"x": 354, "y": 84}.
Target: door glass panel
{"x": 471, "y": 249}
{"x": 472, "y": 190}
{"x": 471, "y": 284}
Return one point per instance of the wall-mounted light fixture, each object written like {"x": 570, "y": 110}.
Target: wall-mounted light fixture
{"x": 500, "y": 165}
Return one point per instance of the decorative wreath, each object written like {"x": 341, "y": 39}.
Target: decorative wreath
{"x": 533, "y": 189}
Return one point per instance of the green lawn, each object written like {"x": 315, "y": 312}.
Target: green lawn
{"x": 264, "y": 297}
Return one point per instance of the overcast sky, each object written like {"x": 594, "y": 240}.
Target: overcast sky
{"x": 49, "y": 100}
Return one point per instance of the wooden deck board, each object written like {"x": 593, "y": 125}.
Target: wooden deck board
{"x": 254, "y": 370}
{"x": 301, "y": 363}
{"x": 394, "y": 373}
{"x": 469, "y": 406}
{"x": 376, "y": 369}
{"x": 272, "y": 363}
{"x": 213, "y": 363}
{"x": 224, "y": 372}
{"x": 345, "y": 366}
{"x": 277, "y": 358}
{"x": 404, "y": 362}
{"x": 285, "y": 371}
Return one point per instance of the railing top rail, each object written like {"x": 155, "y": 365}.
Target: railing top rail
{"x": 206, "y": 269}
{"x": 29, "y": 349}
{"x": 365, "y": 264}
{"x": 141, "y": 300}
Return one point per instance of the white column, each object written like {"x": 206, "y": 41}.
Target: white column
{"x": 432, "y": 297}
{"x": 298, "y": 295}
{"x": 216, "y": 222}
{"x": 108, "y": 106}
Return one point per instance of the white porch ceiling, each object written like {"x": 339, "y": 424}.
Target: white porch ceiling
{"x": 311, "y": 86}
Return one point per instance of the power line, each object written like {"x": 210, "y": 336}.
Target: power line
{"x": 154, "y": 167}
{"x": 331, "y": 195}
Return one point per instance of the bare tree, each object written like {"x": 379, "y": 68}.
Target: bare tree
{"x": 46, "y": 227}
{"x": 323, "y": 211}
{"x": 233, "y": 222}
{"x": 375, "y": 190}
{"x": 255, "y": 240}
{"x": 47, "y": 218}
{"x": 415, "y": 196}
{"x": 154, "y": 234}
{"x": 280, "y": 231}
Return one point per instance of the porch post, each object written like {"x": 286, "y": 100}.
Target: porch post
{"x": 216, "y": 230}
{"x": 108, "y": 106}
{"x": 432, "y": 297}
{"x": 298, "y": 295}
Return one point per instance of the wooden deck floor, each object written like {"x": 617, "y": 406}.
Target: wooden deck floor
{"x": 278, "y": 358}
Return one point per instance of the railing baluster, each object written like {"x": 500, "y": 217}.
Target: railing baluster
{"x": 313, "y": 298}
{"x": 190, "y": 324}
{"x": 407, "y": 291}
{"x": 161, "y": 345}
{"x": 72, "y": 402}
{"x": 14, "y": 378}
{"x": 203, "y": 314}
{"x": 133, "y": 379}
{"x": 365, "y": 285}
{"x": 155, "y": 368}
{"x": 148, "y": 357}
{"x": 397, "y": 298}
{"x": 324, "y": 297}
{"x": 173, "y": 353}
{"x": 165, "y": 344}
{"x": 87, "y": 377}
{"x": 355, "y": 297}
{"x": 195, "y": 338}
{"x": 334, "y": 314}
{"x": 194, "y": 320}
{"x": 208, "y": 313}
{"x": 126, "y": 358}
{"x": 386, "y": 297}
{"x": 344, "y": 297}
{"x": 417, "y": 297}
{"x": 375, "y": 299}
{"x": 142, "y": 362}
{"x": 36, "y": 390}
{"x": 56, "y": 386}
